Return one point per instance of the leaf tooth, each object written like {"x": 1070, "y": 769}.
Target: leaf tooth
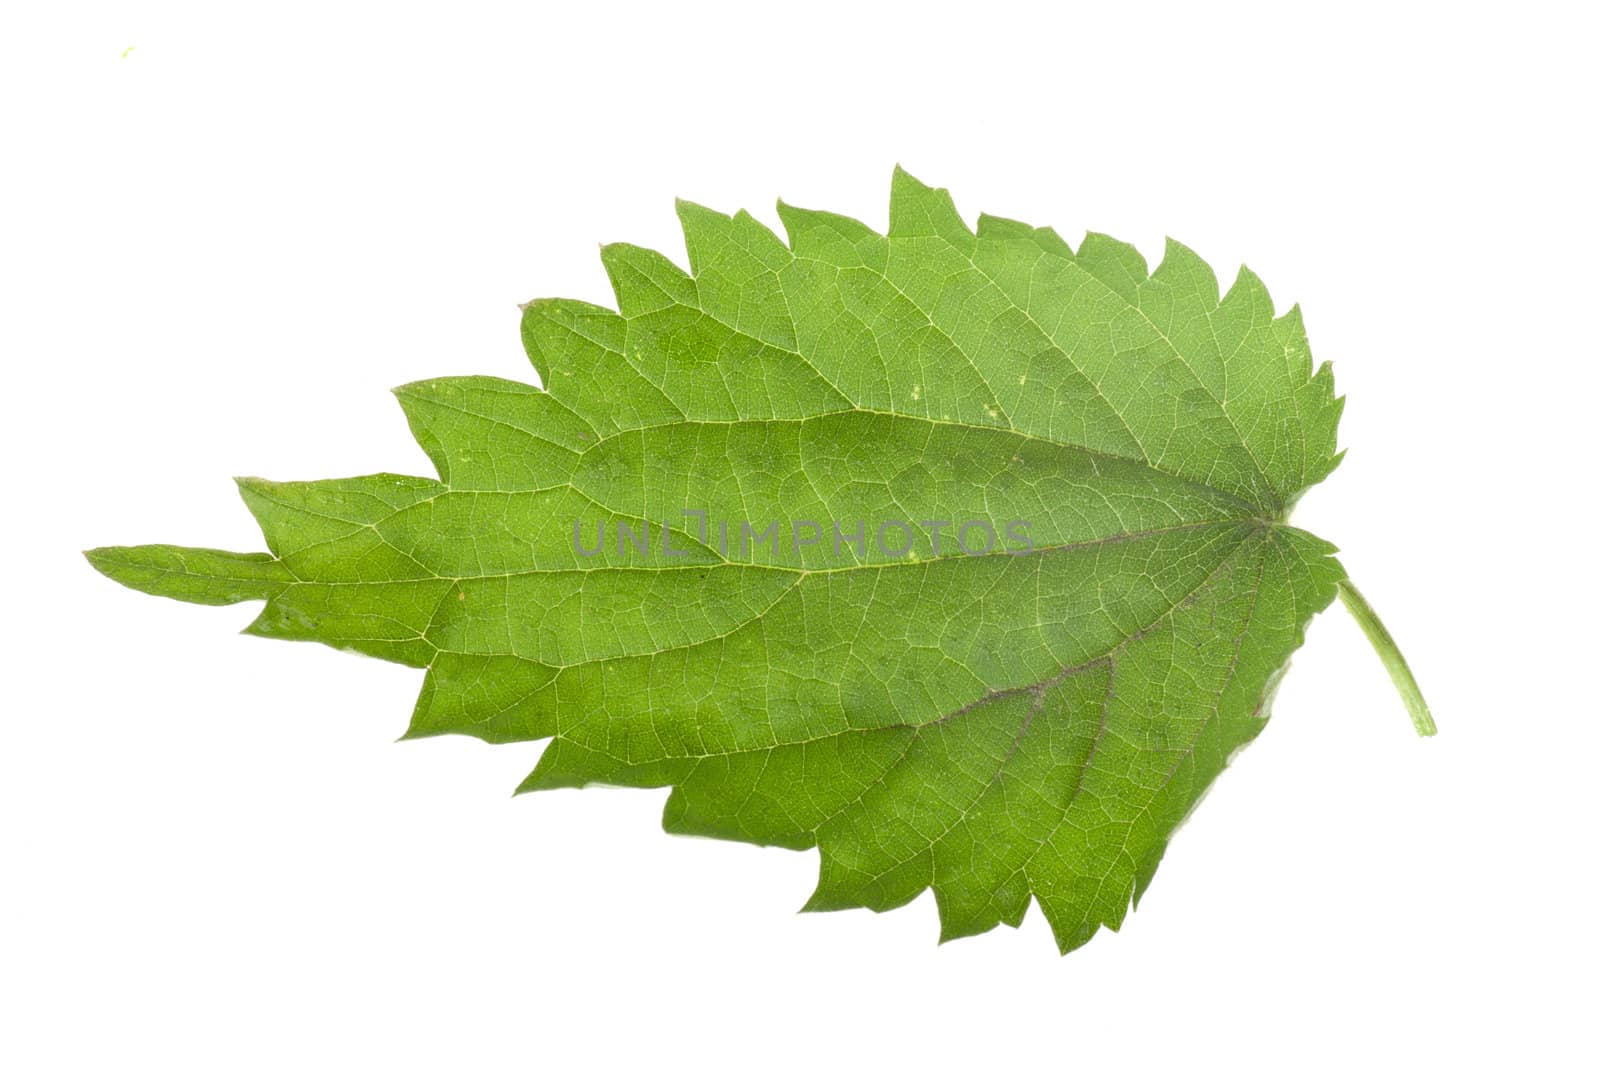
{"x": 1182, "y": 269}
{"x": 1071, "y": 937}
{"x": 1248, "y": 297}
{"x": 565, "y": 765}
{"x": 553, "y": 327}
{"x": 645, "y": 280}
{"x": 491, "y": 697}
{"x": 835, "y": 239}
{"x": 705, "y": 231}
{"x": 1289, "y": 330}
{"x": 737, "y": 263}
{"x": 918, "y": 210}
{"x": 958, "y": 917}
{"x": 1000, "y": 228}
{"x": 579, "y": 351}
{"x": 490, "y": 433}
{"x": 295, "y": 516}
{"x": 267, "y": 503}
{"x": 707, "y": 234}
{"x": 1115, "y": 264}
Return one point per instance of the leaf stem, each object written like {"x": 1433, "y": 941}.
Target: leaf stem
{"x": 1389, "y": 652}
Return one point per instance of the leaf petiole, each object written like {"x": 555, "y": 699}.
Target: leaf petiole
{"x": 1389, "y": 653}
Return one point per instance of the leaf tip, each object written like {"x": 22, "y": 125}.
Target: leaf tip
{"x": 902, "y": 182}
{"x": 196, "y": 575}
{"x": 684, "y": 206}
{"x": 104, "y": 559}
{"x": 249, "y": 484}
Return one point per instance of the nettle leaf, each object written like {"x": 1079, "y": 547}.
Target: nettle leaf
{"x": 975, "y": 569}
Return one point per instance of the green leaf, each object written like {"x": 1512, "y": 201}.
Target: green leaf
{"x": 1028, "y": 720}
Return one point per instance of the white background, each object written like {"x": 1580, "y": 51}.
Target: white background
{"x": 221, "y": 251}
